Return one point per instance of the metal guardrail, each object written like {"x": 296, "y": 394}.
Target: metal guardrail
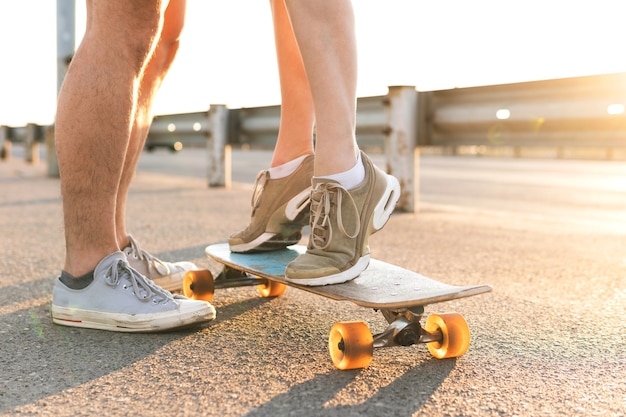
{"x": 570, "y": 112}
{"x": 580, "y": 111}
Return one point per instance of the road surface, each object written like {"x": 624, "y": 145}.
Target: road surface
{"x": 549, "y": 340}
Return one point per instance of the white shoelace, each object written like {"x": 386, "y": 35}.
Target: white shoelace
{"x": 321, "y": 204}
{"x": 259, "y": 186}
{"x": 143, "y": 288}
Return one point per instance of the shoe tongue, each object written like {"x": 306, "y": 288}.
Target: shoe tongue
{"x": 108, "y": 261}
{"x": 318, "y": 181}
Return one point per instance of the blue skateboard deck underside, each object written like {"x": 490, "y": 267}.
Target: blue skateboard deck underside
{"x": 381, "y": 285}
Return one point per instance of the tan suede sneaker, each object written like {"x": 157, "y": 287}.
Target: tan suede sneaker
{"x": 341, "y": 223}
{"x": 280, "y": 208}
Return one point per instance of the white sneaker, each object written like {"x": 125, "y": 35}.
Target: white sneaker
{"x": 167, "y": 275}
{"x": 121, "y": 299}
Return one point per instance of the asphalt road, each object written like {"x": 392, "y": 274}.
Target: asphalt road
{"x": 549, "y": 236}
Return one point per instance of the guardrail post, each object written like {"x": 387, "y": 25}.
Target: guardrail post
{"x": 219, "y": 163}
{"x": 401, "y": 149}
{"x": 51, "y": 156}
{"x": 5, "y": 143}
{"x": 31, "y": 143}
{"x": 66, "y": 39}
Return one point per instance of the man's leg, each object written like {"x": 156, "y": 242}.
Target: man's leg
{"x": 97, "y": 287}
{"x": 150, "y": 82}
{"x": 96, "y": 107}
{"x": 165, "y": 274}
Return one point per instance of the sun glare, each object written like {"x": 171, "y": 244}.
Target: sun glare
{"x": 503, "y": 114}
{"x": 615, "y": 109}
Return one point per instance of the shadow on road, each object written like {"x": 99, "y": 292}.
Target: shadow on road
{"x": 40, "y": 359}
{"x": 319, "y": 396}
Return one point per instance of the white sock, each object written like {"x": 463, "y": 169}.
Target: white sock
{"x": 286, "y": 169}
{"x": 351, "y": 178}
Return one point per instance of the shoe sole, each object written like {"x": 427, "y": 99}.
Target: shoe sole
{"x": 264, "y": 243}
{"x": 140, "y": 323}
{"x": 387, "y": 204}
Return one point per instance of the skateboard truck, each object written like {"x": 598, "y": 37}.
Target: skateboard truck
{"x": 232, "y": 278}
{"x": 200, "y": 285}
{"x": 351, "y": 344}
{"x": 405, "y": 329}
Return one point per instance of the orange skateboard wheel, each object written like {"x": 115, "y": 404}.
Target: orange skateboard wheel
{"x": 199, "y": 285}
{"x": 271, "y": 289}
{"x": 455, "y": 335}
{"x": 351, "y": 345}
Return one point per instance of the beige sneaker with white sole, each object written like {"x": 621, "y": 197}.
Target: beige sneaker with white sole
{"x": 341, "y": 224}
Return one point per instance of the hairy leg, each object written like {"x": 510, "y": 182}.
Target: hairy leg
{"x": 153, "y": 75}
{"x": 96, "y": 109}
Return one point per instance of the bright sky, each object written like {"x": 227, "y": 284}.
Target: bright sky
{"x": 227, "y": 51}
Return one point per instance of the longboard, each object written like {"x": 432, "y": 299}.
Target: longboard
{"x": 400, "y": 294}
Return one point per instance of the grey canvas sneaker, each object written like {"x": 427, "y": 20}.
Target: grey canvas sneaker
{"x": 280, "y": 208}
{"x": 167, "y": 275}
{"x": 118, "y": 298}
{"x": 341, "y": 223}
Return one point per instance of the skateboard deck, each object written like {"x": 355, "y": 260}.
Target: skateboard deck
{"x": 381, "y": 285}
{"x": 398, "y": 293}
